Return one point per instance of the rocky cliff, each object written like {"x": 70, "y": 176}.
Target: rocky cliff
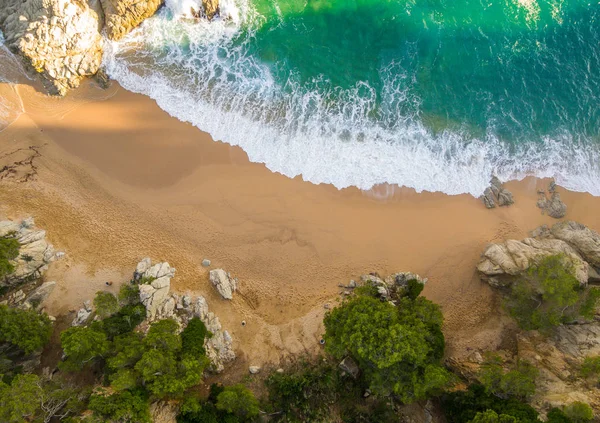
{"x": 61, "y": 40}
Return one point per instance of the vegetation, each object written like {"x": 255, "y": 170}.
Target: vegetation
{"x": 518, "y": 382}
{"x": 579, "y": 412}
{"x": 490, "y": 416}
{"x": 463, "y": 406}
{"x": 24, "y": 329}
{"x": 106, "y": 304}
{"x": 591, "y": 368}
{"x": 398, "y": 348}
{"x": 550, "y": 295}
{"x": 122, "y": 407}
{"x": 9, "y": 250}
{"x": 239, "y": 401}
{"x": 82, "y": 346}
{"x": 193, "y": 336}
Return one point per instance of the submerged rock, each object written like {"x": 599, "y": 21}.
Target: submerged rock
{"x": 496, "y": 194}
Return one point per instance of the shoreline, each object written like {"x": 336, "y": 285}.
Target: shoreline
{"x": 119, "y": 179}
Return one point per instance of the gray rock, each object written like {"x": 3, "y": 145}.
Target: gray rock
{"x": 223, "y": 283}
{"x": 349, "y": 366}
{"x": 553, "y": 206}
{"x": 206, "y": 263}
{"x": 122, "y": 16}
{"x": 37, "y": 297}
{"x": 82, "y": 316}
{"x": 156, "y": 295}
{"x": 581, "y": 238}
{"x": 35, "y": 253}
{"x": 254, "y": 369}
{"x": 496, "y": 194}
{"x": 488, "y": 198}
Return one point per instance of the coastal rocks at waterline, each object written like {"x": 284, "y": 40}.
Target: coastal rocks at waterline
{"x": 580, "y": 245}
{"x": 553, "y": 206}
{"x": 59, "y": 39}
{"x": 496, "y": 194}
{"x": 35, "y": 253}
{"x": 223, "y": 283}
{"x": 160, "y": 303}
{"x": 121, "y": 16}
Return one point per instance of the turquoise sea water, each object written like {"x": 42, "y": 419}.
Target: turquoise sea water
{"x": 432, "y": 94}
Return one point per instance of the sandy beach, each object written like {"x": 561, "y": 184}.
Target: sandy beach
{"x": 113, "y": 179}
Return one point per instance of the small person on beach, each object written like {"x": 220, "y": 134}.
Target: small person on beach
{"x": 109, "y": 283}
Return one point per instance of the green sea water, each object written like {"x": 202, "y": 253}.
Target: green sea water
{"x": 438, "y": 94}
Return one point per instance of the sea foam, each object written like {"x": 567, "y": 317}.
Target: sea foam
{"x": 200, "y": 72}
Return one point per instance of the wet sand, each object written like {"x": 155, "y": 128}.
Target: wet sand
{"x": 117, "y": 179}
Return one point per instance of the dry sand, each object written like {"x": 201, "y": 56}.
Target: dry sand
{"x": 113, "y": 179}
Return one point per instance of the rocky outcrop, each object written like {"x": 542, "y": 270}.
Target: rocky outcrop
{"x": 83, "y": 314}
{"x": 35, "y": 253}
{"x": 496, "y": 194}
{"x": 223, "y": 283}
{"x": 39, "y": 295}
{"x": 160, "y": 303}
{"x": 59, "y": 39}
{"x": 579, "y": 245}
{"x": 121, "y": 16}
{"x": 553, "y": 206}
{"x": 164, "y": 412}
{"x": 393, "y": 286}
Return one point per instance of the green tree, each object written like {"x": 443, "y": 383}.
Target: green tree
{"x": 397, "y": 348}
{"x": 591, "y": 368}
{"x": 81, "y": 346}
{"x": 490, "y": 416}
{"x": 24, "y": 329}
{"x": 579, "y": 412}
{"x": 18, "y": 401}
{"x": 518, "y": 382}
{"x": 106, "y": 304}
{"x": 129, "y": 294}
{"x": 121, "y": 407}
{"x": 9, "y": 250}
{"x": 238, "y": 400}
{"x": 193, "y": 336}
{"x": 162, "y": 335}
{"x": 549, "y": 294}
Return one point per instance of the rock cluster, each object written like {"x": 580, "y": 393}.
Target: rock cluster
{"x": 393, "y": 286}
{"x": 35, "y": 253}
{"x": 553, "y": 206}
{"x": 223, "y": 283}
{"x": 61, "y": 39}
{"x": 579, "y": 245}
{"x": 496, "y": 194}
{"x": 160, "y": 303}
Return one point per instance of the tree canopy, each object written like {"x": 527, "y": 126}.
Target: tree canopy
{"x": 106, "y": 304}
{"x": 239, "y": 401}
{"x": 397, "y": 347}
{"x": 549, "y": 294}
{"x": 25, "y": 329}
{"x": 9, "y": 250}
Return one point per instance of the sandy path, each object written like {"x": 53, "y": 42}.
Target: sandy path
{"x": 118, "y": 179}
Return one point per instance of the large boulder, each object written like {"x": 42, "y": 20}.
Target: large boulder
{"x": 154, "y": 292}
{"x": 40, "y": 294}
{"x": 121, "y": 16}
{"x": 496, "y": 194}
{"x": 513, "y": 258}
{"x": 581, "y": 238}
{"x": 223, "y": 282}
{"x": 35, "y": 253}
{"x": 58, "y": 39}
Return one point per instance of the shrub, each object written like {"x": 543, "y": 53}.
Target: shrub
{"x": 193, "y": 336}
{"x": 239, "y": 401}
{"x": 106, "y": 304}
{"x": 463, "y": 406}
{"x": 18, "y": 401}
{"x": 397, "y": 348}
{"x": 125, "y": 320}
{"x": 25, "y": 329}
{"x": 490, "y": 416}
{"x": 518, "y": 382}
{"x": 579, "y": 412}
{"x": 591, "y": 367}
{"x": 9, "y": 250}
{"x": 126, "y": 407}
{"x": 549, "y": 295}
{"x": 129, "y": 294}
